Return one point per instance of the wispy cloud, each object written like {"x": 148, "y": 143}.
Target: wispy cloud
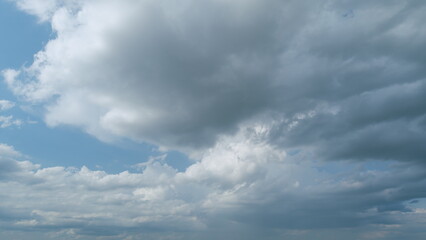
{"x": 7, "y": 121}
{"x": 6, "y": 105}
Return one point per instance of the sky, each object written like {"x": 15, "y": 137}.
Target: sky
{"x": 243, "y": 119}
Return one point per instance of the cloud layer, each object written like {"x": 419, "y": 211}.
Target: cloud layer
{"x": 245, "y": 187}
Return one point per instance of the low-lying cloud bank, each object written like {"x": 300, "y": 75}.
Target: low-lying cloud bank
{"x": 244, "y": 190}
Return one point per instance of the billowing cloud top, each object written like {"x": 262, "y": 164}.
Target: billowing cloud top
{"x": 235, "y": 85}
{"x": 181, "y": 74}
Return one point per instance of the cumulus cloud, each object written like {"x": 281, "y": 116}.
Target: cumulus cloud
{"x": 258, "y": 192}
{"x": 179, "y": 82}
{"x": 181, "y": 75}
{"x": 8, "y": 151}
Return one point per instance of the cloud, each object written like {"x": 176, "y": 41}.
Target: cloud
{"x": 10, "y": 169}
{"x": 181, "y": 75}
{"x": 386, "y": 124}
{"x": 7, "y": 121}
{"x": 178, "y": 83}
{"x": 6, "y": 105}
{"x": 245, "y": 191}
{"x": 8, "y": 151}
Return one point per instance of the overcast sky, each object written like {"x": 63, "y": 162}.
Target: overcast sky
{"x": 213, "y": 119}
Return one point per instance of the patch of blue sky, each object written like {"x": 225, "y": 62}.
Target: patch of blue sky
{"x": 69, "y": 147}
{"x": 417, "y": 203}
{"x": 21, "y": 37}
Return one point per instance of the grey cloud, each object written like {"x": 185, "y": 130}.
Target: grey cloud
{"x": 381, "y": 124}
{"x": 368, "y": 198}
{"x": 181, "y": 76}
{"x": 175, "y": 76}
{"x": 8, "y": 167}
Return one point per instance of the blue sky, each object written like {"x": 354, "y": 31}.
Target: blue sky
{"x": 22, "y": 37}
{"x": 212, "y": 120}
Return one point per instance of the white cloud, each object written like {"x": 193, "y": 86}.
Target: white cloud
{"x": 235, "y": 160}
{"x": 7, "y": 121}
{"x": 6, "y": 105}
{"x": 240, "y": 184}
{"x": 8, "y": 151}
